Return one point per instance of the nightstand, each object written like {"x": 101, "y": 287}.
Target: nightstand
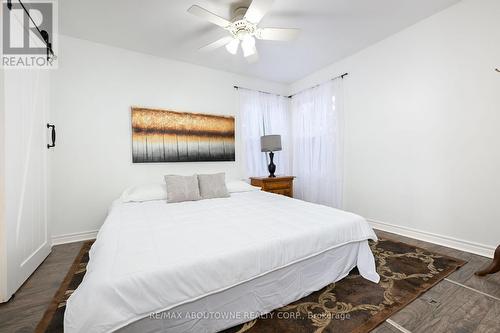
{"x": 280, "y": 185}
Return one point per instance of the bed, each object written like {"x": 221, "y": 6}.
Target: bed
{"x": 208, "y": 265}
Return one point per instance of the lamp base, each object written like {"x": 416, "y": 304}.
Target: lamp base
{"x": 271, "y": 167}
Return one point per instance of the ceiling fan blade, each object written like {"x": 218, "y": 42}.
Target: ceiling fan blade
{"x": 209, "y": 16}
{"x": 257, "y": 10}
{"x": 280, "y": 34}
{"x": 218, "y": 43}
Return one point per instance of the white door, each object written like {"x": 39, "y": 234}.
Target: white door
{"x": 27, "y": 234}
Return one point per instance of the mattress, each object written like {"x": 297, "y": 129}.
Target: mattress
{"x": 151, "y": 257}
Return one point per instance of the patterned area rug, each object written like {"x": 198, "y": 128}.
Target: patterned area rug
{"x": 350, "y": 305}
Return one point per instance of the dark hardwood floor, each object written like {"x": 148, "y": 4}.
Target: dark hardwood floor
{"x": 23, "y": 312}
{"x": 461, "y": 303}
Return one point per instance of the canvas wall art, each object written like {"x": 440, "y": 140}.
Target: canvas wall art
{"x": 169, "y": 136}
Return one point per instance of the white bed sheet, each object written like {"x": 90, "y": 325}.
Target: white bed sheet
{"x": 153, "y": 256}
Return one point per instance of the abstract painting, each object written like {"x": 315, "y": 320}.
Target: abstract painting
{"x": 168, "y": 136}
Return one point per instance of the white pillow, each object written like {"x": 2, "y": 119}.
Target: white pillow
{"x": 240, "y": 186}
{"x": 147, "y": 192}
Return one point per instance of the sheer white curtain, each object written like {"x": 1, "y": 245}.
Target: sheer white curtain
{"x": 317, "y": 132}
{"x": 264, "y": 114}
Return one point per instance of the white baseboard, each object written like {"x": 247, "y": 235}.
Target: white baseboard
{"x": 459, "y": 244}
{"x": 74, "y": 237}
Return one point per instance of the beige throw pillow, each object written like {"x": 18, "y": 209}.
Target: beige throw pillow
{"x": 182, "y": 188}
{"x": 213, "y": 186}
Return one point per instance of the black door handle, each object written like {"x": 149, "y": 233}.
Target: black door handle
{"x": 53, "y": 136}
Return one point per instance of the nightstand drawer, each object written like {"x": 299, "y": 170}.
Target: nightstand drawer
{"x": 286, "y": 192}
{"x": 278, "y": 185}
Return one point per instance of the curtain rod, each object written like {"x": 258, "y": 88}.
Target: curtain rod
{"x": 264, "y": 92}
{"x": 333, "y": 78}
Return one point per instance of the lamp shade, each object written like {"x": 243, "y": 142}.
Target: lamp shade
{"x": 270, "y": 143}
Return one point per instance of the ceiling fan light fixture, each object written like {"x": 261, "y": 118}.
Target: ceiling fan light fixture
{"x": 248, "y": 46}
{"x": 232, "y": 47}
{"x": 244, "y": 28}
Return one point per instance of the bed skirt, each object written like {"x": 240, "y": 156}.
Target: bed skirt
{"x": 260, "y": 296}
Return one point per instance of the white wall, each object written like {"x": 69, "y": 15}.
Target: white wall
{"x": 93, "y": 90}
{"x": 423, "y": 125}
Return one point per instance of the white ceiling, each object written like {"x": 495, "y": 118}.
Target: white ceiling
{"x": 331, "y": 30}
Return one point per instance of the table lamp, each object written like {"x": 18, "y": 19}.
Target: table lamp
{"x": 270, "y": 143}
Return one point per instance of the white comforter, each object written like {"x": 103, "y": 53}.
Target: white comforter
{"x": 153, "y": 256}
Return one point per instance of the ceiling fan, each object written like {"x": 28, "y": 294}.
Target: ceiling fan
{"x": 244, "y": 29}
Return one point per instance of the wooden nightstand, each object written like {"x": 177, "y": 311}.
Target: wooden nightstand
{"x": 279, "y": 185}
